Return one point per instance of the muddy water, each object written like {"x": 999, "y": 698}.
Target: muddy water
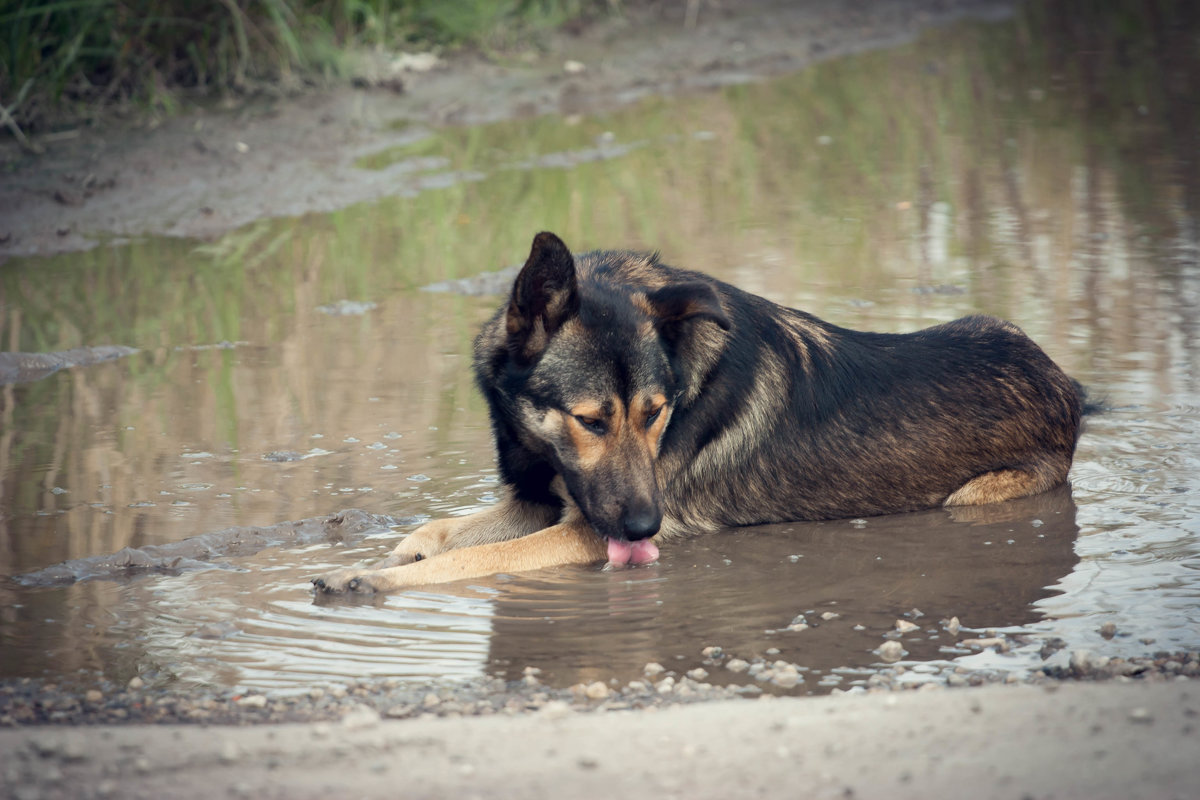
{"x": 1041, "y": 169}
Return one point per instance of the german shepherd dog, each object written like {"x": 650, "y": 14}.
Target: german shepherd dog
{"x": 633, "y": 402}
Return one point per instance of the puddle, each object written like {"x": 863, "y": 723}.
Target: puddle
{"x": 987, "y": 168}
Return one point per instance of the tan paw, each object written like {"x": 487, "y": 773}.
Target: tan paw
{"x": 345, "y": 580}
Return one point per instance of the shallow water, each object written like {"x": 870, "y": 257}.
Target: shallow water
{"x": 1026, "y": 169}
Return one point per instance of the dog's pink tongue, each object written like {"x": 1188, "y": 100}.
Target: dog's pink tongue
{"x": 643, "y": 552}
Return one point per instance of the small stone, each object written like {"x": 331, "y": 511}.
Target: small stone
{"x": 431, "y": 700}
{"x": 890, "y": 651}
{"x": 360, "y": 717}
{"x": 787, "y": 676}
{"x": 229, "y": 753}
{"x": 556, "y": 709}
{"x": 904, "y": 626}
{"x": 253, "y": 701}
{"x": 953, "y": 626}
{"x": 653, "y": 668}
{"x": 136, "y": 683}
{"x": 711, "y": 652}
{"x": 697, "y": 674}
{"x": 93, "y": 695}
{"x": 596, "y": 691}
{"x": 572, "y": 67}
{"x": 1141, "y": 716}
{"x": 1108, "y": 630}
{"x": 1001, "y": 645}
{"x": 665, "y": 686}
{"x": 830, "y": 615}
{"x": 737, "y": 665}
{"x": 1081, "y": 661}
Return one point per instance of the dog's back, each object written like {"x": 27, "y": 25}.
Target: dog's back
{"x": 788, "y": 417}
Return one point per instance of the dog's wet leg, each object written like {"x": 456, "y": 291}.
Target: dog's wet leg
{"x": 558, "y": 545}
{"x": 1007, "y": 484}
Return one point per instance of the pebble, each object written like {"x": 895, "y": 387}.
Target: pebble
{"x": 360, "y": 717}
{"x": 1001, "y": 645}
{"x": 597, "y": 690}
{"x": 253, "y": 701}
{"x": 136, "y": 683}
{"x": 653, "y": 668}
{"x": 1141, "y": 716}
{"x": 953, "y": 626}
{"x": 556, "y": 709}
{"x": 93, "y": 695}
{"x": 1108, "y": 630}
{"x": 890, "y": 651}
{"x": 787, "y": 676}
{"x": 829, "y": 615}
{"x": 904, "y": 626}
{"x": 697, "y": 674}
{"x": 229, "y": 752}
{"x": 737, "y": 665}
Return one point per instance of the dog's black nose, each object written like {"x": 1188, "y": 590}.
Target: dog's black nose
{"x": 641, "y": 524}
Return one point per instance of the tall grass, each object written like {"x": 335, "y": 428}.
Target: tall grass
{"x": 59, "y": 58}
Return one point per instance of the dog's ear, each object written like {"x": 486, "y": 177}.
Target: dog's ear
{"x": 676, "y": 305}
{"x": 544, "y": 296}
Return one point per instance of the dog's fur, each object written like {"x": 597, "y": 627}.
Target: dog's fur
{"x": 631, "y": 400}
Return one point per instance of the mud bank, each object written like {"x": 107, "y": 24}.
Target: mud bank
{"x": 1072, "y": 741}
{"x": 205, "y": 173}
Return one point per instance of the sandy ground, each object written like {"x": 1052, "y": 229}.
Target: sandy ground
{"x": 203, "y": 174}
{"x": 1078, "y": 741}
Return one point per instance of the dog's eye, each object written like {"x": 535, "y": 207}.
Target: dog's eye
{"x": 654, "y": 415}
{"x": 594, "y": 425}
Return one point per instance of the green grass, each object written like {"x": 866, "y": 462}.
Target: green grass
{"x": 61, "y": 59}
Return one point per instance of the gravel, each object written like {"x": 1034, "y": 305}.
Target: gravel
{"x": 25, "y": 702}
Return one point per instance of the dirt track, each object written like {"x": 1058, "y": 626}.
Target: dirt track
{"x": 1079, "y": 741}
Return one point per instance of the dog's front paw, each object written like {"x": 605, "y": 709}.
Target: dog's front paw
{"x": 345, "y": 580}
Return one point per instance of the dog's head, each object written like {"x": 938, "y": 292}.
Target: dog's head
{"x": 594, "y": 362}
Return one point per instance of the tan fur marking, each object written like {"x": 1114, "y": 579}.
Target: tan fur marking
{"x": 569, "y": 542}
{"x": 1000, "y": 485}
{"x": 639, "y": 301}
{"x": 642, "y": 408}
{"x": 637, "y": 269}
{"x": 591, "y": 448}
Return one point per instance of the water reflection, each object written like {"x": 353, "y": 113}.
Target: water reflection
{"x": 743, "y": 590}
{"x": 1040, "y": 169}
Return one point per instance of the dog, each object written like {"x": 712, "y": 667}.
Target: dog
{"x": 632, "y": 402}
